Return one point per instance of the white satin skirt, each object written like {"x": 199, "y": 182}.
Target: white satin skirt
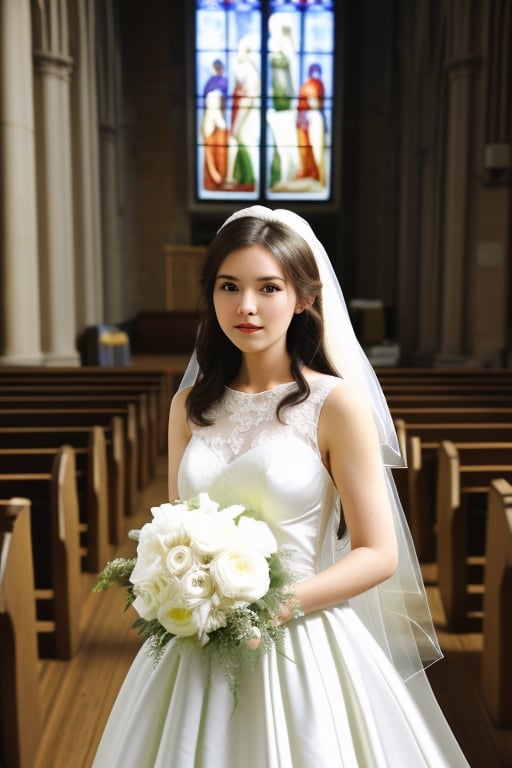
{"x": 332, "y": 701}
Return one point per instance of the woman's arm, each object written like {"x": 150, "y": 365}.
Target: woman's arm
{"x": 350, "y": 449}
{"x": 178, "y": 437}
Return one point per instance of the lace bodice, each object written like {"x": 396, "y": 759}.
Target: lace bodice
{"x": 243, "y": 421}
{"x": 248, "y": 456}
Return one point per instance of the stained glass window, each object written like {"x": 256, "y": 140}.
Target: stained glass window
{"x": 264, "y": 99}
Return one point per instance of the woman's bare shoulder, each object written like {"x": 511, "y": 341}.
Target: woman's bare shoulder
{"x": 345, "y": 405}
{"x": 178, "y": 411}
{"x": 179, "y": 398}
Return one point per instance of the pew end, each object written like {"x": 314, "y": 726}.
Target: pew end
{"x": 20, "y": 723}
{"x": 496, "y": 671}
{"x": 462, "y": 490}
{"x": 55, "y": 551}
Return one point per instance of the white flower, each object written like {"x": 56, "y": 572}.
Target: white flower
{"x": 169, "y": 524}
{"x": 167, "y": 530}
{"x": 169, "y": 508}
{"x": 149, "y": 564}
{"x": 178, "y": 620}
{"x": 256, "y": 536}
{"x": 152, "y": 594}
{"x": 211, "y": 533}
{"x": 196, "y": 586}
{"x": 204, "y": 503}
{"x": 241, "y": 575}
{"x": 178, "y": 559}
{"x": 235, "y": 510}
{"x": 215, "y": 619}
{"x": 208, "y": 618}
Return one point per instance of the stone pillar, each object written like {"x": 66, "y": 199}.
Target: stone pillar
{"x": 108, "y": 109}
{"x": 86, "y": 187}
{"x": 19, "y": 292}
{"x": 110, "y": 226}
{"x": 53, "y": 68}
{"x": 461, "y": 68}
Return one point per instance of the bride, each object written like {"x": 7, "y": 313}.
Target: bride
{"x": 280, "y": 411}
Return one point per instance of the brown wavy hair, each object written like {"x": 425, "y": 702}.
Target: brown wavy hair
{"x": 219, "y": 359}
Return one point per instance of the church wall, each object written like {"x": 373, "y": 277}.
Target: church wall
{"x": 162, "y": 172}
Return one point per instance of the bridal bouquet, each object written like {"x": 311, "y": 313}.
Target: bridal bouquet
{"x": 210, "y": 577}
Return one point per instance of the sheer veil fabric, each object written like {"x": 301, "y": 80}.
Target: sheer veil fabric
{"x": 396, "y": 612}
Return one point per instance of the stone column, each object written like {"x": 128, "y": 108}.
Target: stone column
{"x": 108, "y": 109}
{"x": 53, "y": 68}
{"x": 461, "y": 69}
{"x": 110, "y": 226}
{"x": 20, "y": 333}
{"x": 86, "y": 187}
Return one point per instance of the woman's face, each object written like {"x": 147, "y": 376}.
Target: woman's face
{"x": 254, "y": 301}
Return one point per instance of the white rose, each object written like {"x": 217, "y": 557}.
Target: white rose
{"x": 196, "y": 586}
{"x": 256, "y": 535}
{"x": 167, "y": 530}
{"x": 178, "y": 620}
{"x": 151, "y": 595}
{"x": 178, "y": 559}
{"x": 211, "y": 533}
{"x": 149, "y": 564}
{"x": 241, "y": 575}
{"x": 169, "y": 524}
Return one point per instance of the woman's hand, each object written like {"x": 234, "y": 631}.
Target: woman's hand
{"x": 289, "y": 609}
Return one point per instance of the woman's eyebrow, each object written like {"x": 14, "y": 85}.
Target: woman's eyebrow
{"x": 265, "y": 279}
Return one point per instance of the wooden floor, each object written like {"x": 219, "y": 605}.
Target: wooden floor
{"x": 77, "y": 695}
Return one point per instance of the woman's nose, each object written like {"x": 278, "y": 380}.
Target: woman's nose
{"x": 247, "y": 305}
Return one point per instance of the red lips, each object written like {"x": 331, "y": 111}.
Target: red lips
{"x": 247, "y": 327}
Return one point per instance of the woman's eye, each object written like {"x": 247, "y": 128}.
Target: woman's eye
{"x": 228, "y": 287}
{"x": 270, "y": 288}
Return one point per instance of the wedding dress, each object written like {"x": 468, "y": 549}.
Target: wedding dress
{"x": 333, "y": 699}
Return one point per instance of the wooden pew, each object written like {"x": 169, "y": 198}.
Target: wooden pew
{"x": 135, "y": 410}
{"x": 460, "y": 399}
{"x": 92, "y": 489}
{"x": 465, "y": 473}
{"x": 440, "y": 414}
{"x": 470, "y": 387}
{"x": 434, "y": 431}
{"x": 151, "y": 393}
{"x": 105, "y": 477}
{"x": 421, "y": 443}
{"x": 63, "y": 417}
{"x": 442, "y": 375}
{"x": 55, "y": 550}
{"x": 143, "y": 379}
{"x": 496, "y": 667}
{"x": 20, "y": 721}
